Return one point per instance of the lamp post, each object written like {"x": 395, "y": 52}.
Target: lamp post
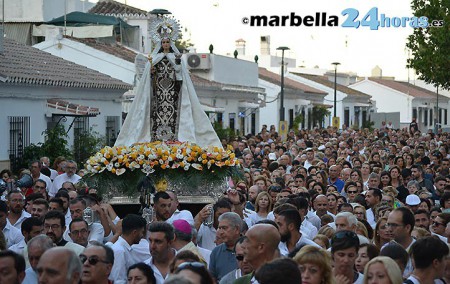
{"x": 282, "y": 48}
{"x": 335, "y": 84}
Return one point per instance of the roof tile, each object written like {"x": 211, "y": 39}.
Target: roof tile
{"x": 113, "y": 8}
{"x": 408, "y": 88}
{"x": 23, "y": 64}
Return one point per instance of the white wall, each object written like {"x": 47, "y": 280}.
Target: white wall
{"x": 91, "y": 58}
{"x": 23, "y": 10}
{"x": 143, "y": 33}
{"x": 388, "y": 100}
{"x": 32, "y": 102}
{"x": 228, "y": 70}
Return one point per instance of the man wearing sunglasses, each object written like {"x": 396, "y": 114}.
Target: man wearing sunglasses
{"x": 97, "y": 262}
{"x": 244, "y": 267}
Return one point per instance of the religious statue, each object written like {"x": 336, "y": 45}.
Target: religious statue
{"x": 166, "y": 106}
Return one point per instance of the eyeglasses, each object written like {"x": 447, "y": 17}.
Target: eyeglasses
{"x": 352, "y": 192}
{"x": 185, "y": 265}
{"x": 92, "y": 260}
{"x": 434, "y": 223}
{"x": 53, "y": 227}
{"x": 239, "y": 257}
{"x": 17, "y": 201}
{"x": 352, "y": 236}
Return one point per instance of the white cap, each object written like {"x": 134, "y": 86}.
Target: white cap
{"x": 272, "y": 157}
{"x": 412, "y": 200}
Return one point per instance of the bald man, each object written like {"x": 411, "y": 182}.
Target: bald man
{"x": 260, "y": 246}
{"x": 59, "y": 265}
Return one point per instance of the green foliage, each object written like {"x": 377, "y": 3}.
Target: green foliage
{"x": 368, "y": 124}
{"x": 183, "y": 44}
{"x": 224, "y": 133}
{"x": 297, "y": 121}
{"x": 318, "y": 115}
{"x": 86, "y": 144}
{"x": 56, "y": 144}
{"x": 430, "y": 47}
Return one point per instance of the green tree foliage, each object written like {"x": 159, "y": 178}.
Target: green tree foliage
{"x": 318, "y": 115}
{"x": 86, "y": 144}
{"x": 224, "y": 133}
{"x": 430, "y": 47}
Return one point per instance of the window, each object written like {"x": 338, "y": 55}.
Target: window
{"x": 19, "y": 138}
{"x": 80, "y": 129}
{"x": 425, "y": 117}
{"x": 112, "y": 129}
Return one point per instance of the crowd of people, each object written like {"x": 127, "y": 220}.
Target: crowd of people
{"x": 323, "y": 206}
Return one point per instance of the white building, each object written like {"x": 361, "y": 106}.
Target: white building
{"x": 299, "y": 99}
{"x": 39, "y": 90}
{"x": 411, "y": 101}
{"x": 352, "y": 107}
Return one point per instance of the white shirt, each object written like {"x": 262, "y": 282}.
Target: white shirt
{"x": 371, "y": 217}
{"x": 141, "y": 251}
{"x": 12, "y": 235}
{"x": 23, "y": 216}
{"x": 302, "y": 241}
{"x": 30, "y": 276}
{"x": 53, "y": 173}
{"x": 206, "y": 237}
{"x": 68, "y": 218}
{"x": 313, "y": 219}
{"x": 183, "y": 215}
{"x": 122, "y": 260}
{"x": 308, "y": 229}
{"x": 18, "y": 248}
{"x": 206, "y": 254}
{"x": 48, "y": 181}
{"x": 59, "y": 180}
{"x": 253, "y": 218}
{"x": 159, "y": 278}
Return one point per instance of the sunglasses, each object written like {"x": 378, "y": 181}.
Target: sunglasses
{"x": 239, "y": 257}
{"x": 185, "y": 265}
{"x": 352, "y": 192}
{"x": 92, "y": 260}
{"x": 344, "y": 235}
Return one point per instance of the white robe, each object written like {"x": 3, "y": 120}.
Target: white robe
{"x": 194, "y": 124}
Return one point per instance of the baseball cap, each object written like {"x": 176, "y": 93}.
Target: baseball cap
{"x": 272, "y": 156}
{"x": 412, "y": 200}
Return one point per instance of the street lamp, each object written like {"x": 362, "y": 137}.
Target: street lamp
{"x": 282, "y": 48}
{"x": 335, "y": 84}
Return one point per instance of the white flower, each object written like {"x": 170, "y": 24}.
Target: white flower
{"x": 120, "y": 171}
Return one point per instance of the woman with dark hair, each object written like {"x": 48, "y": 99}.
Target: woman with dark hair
{"x": 399, "y": 162}
{"x": 356, "y": 176}
{"x": 141, "y": 273}
{"x": 366, "y": 252}
{"x": 395, "y": 176}
{"x": 332, "y": 203}
{"x": 182, "y": 256}
{"x": 385, "y": 179}
{"x": 196, "y": 272}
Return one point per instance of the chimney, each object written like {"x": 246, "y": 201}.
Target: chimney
{"x": 240, "y": 46}
{"x": 377, "y": 72}
{"x": 265, "y": 45}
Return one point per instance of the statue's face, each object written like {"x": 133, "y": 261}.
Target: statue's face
{"x": 165, "y": 43}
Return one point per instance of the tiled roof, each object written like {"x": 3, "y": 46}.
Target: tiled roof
{"x": 70, "y": 108}
{"x": 288, "y": 83}
{"x": 323, "y": 80}
{"x": 115, "y": 49}
{"x": 407, "y": 88}
{"x": 21, "y": 64}
{"x": 113, "y": 8}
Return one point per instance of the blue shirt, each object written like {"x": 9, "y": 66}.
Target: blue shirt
{"x": 222, "y": 261}
{"x": 338, "y": 183}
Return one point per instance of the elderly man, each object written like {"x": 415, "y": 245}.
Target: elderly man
{"x": 222, "y": 258}
{"x": 334, "y": 179}
{"x": 97, "y": 262}
{"x": 244, "y": 267}
{"x": 12, "y": 267}
{"x": 346, "y": 221}
{"x": 183, "y": 240}
{"x": 36, "y": 248}
{"x": 35, "y": 170}
{"x": 59, "y": 266}
{"x": 321, "y": 206}
{"x": 79, "y": 232}
{"x": 97, "y": 231}
{"x": 69, "y": 175}
{"x": 260, "y": 247}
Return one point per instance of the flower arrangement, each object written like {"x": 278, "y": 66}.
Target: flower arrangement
{"x": 172, "y": 160}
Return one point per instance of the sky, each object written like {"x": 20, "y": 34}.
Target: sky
{"x": 219, "y": 22}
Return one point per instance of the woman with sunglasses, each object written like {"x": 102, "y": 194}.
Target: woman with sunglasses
{"x": 141, "y": 273}
{"x": 196, "y": 272}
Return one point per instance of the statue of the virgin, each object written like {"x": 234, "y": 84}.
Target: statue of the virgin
{"x": 166, "y": 106}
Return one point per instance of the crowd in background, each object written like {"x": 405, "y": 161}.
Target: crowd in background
{"x": 321, "y": 206}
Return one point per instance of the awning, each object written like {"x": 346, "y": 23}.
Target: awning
{"x": 77, "y": 32}
{"x": 61, "y": 107}
{"x": 210, "y": 108}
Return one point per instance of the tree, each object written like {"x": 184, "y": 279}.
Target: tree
{"x": 430, "y": 47}
{"x": 318, "y": 115}
{"x": 183, "y": 44}
{"x": 86, "y": 144}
